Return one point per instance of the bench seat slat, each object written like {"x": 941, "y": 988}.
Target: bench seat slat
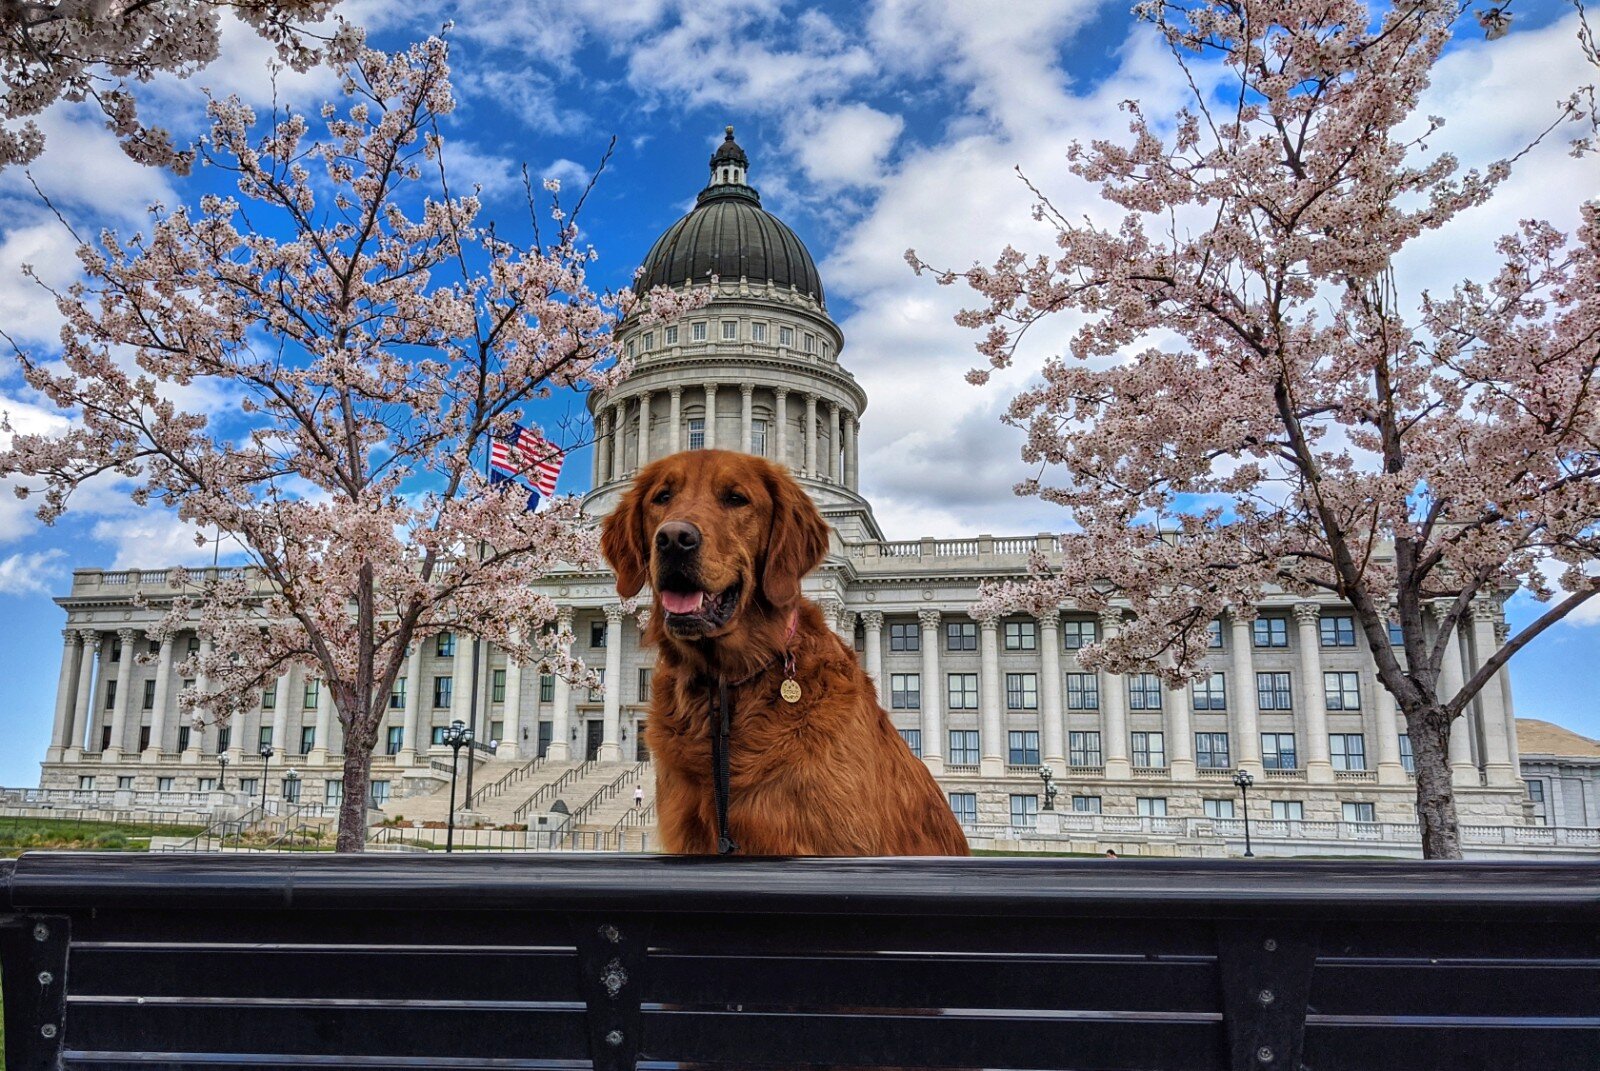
{"x": 1535, "y": 990}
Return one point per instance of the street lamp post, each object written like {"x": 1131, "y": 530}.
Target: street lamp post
{"x": 457, "y": 736}
{"x": 1050, "y": 790}
{"x": 266, "y": 756}
{"x": 222, "y": 779}
{"x": 291, "y": 787}
{"x": 1243, "y": 779}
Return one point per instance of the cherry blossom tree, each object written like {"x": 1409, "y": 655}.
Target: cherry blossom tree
{"x": 80, "y": 50}
{"x": 1248, "y": 406}
{"x": 368, "y": 334}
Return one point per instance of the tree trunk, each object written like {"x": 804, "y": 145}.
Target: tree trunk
{"x": 1429, "y": 731}
{"x": 353, "y": 808}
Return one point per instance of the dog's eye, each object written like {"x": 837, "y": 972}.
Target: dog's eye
{"x": 734, "y": 498}
{"x": 663, "y": 496}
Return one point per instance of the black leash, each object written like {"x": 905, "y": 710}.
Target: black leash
{"x": 719, "y": 770}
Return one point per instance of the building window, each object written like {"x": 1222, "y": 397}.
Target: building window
{"x": 111, "y": 694}
{"x": 646, "y": 683}
{"x": 827, "y": 350}
{"x": 497, "y": 686}
{"x": 962, "y": 691}
{"x": 1342, "y": 691}
{"x": 264, "y": 737}
{"x": 308, "y": 738}
{"x": 905, "y": 691}
{"x": 786, "y": 336}
{"x": 1273, "y": 691}
{"x": 1022, "y": 691}
{"x": 1151, "y": 806}
{"x": 442, "y": 687}
{"x": 163, "y": 784}
{"x": 913, "y": 739}
{"x": 154, "y": 647}
{"x": 1083, "y": 691}
{"x": 333, "y": 791}
{"x": 1076, "y": 635}
{"x": 1397, "y": 636}
{"x": 1536, "y": 796}
{"x": 1217, "y": 808}
{"x": 598, "y": 692}
{"x": 497, "y": 731}
{"x": 86, "y": 782}
{"x": 269, "y": 696}
{"x": 697, "y": 332}
{"x": 964, "y": 747}
{"x": 224, "y": 738}
{"x": 1086, "y": 804}
{"x": 547, "y": 687}
{"x": 444, "y": 644}
{"x": 378, "y": 793}
{"x": 758, "y": 332}
{"x": 291, "y": 789}
{"x": 961, "y": 636}
{"x": 116, "y": 648}
{"x": 1022, "y": 635}
{"x": 597, "y": 634}
{"x": 1408, "y": 760}
{"x": 1144, "y": 692}
{"x": 1348, "y": 751}
{"x": 1022, "y": 747}
{"x": 1150, "y": 750}
{"x": 730, "y": 330}
{"x": 649, "y": 340}
{"x": 1359, "y": 812}
{"x": 1214, "y": 634}
{"x": 1271, "y": 631}
{"x": 1083, "y": 749}
{"x": 397, "y": 694}
{"x": 811, "y": 343}
{"x": 904, "y": 637}
{"x": 1024, "y": 811}
{"x": 964, "y": 805}
{"x": 1288, "y": 811}
{"x": 438, "y": 735}
{"x": 394, "y": 740}
{"x": 149, "y": 700}
{"x": 1211, "y": 751}
{"x": 1209, "y": 693}
{"x": 193, "y": 645}
{"x": 1338, "y": 630}
{"x": 205, "y": 784}
{"x": 672, "y": 336}
{"x": 310, "y": 694}
{"x": 144, "y": 738}
{"x": 184, "y": 733}
{"x": 630, "y": 347}
{"x": 249, "y": 787}
{"x": 1277, "y": 752}
{"x": 697, "y": 433}
{"x": 758, "y": 437}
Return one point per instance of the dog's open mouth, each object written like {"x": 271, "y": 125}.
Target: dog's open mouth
{"x": 698, "y": 611}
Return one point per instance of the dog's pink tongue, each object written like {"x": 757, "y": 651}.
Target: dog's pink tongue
{"x": 678, "y": 602}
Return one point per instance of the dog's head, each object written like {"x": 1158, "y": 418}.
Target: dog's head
{"x": 714, "y": 533}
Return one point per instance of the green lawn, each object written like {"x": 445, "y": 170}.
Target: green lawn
{"x": 20, "y": 834}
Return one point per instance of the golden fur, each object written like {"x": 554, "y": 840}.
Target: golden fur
{"x": 825, "y": 776}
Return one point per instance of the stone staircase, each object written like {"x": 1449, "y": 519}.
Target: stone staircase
{"x": 605, "y": 813}
{"x": 435, "y": 806}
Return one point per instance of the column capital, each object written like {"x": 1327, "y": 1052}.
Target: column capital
{"x": 1439, "y": 608}
{"x": 564, "y": 617}
{"x": 747, "y": 389}
{"x": 835, "y": 407}
{"x": 709, "y": 388}
{"x": 1050, "y": 620}
{"x": 71, "y": 636}
{"x": 988, "y": 622}
{"x": 1111, "y": 618}
{"x": 126, "y": 635}
{"x": 782, "y": 393}
{"x": 614, "y": 614}
{"x": 1502, "y": 632}
{"x": 1307, "y": 613}
{"x": 676, "y": 392}
{"x": 1242, "y": 615}
{"x": 872, "y": 620}
{"x": 929, "y": 618}
{"x": 1485, "y": 610}
{"x": 91, "y": 637}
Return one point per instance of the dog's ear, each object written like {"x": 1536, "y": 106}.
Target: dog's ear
{"x": 622, "y": 541}
{"x": 796, "y": 543}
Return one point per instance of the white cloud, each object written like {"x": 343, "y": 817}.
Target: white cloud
{"x": 844, "y": 145}
{"x": 83, "y": 168}
{"x": 27, "y": 311}
{"x": 32, "y": 573}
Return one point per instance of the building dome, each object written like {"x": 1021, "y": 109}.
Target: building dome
{"x": 729, "y": 235}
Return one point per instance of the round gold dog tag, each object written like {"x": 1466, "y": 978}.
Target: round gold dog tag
{"x": 790, "y": 691}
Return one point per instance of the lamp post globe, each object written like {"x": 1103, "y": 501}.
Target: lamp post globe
{"x": 457, "y": 736}
{"x": 266, "y": 757}
{"x": 291, "y": 786}
{"x": 1243, "y": 779}
{"x": 1050, "y": 790}
{"x": 222, "y": 779}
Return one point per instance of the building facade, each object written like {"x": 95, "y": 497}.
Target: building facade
{"x": 1291, "y": 694}
{"x": 1562, "y": 771}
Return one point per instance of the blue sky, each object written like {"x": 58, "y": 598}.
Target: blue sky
{"x": 871, "y": 127}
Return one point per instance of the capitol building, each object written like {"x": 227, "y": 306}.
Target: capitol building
{"x": 1290, "y": 695}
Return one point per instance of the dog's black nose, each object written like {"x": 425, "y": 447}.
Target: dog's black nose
{"x": 677, "y": 537}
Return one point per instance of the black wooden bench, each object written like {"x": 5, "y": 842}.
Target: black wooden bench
{"x": 490, "y": 961}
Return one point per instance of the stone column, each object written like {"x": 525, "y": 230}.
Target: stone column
{"x": 833, "y": 613}
{"x": 832, "y": 469}
{"x": 66, "y": 694}
{"x": 990, "y": 740}
{"x": 84, "y": 717}
{"x": 560, "y": 749}
{"x": 1451, "y": 677}
{"x": 1051, "y": 711}
{"x": 1245, "y": 722}
{"x": 711, "y": 416}
{"x": 643, "y": 455}
{"x": 619, "y": 443}
{"x": 1114, "y": 708}
{"x": 675, "y": 416}
{"x": 1497, "y": 768}
{"x": 407, "y": 755}
{"x": 511, "y": 712}
{"x": 852, "y": 463}
{"x": 872, "y": 622}
{"x": 1502, "y": 633}
{"x": 323, "y": 748}
{"x": 602, "y": 447}
{"x": 932, "y": 693}
{"x": 97, "y": 701}
{"x": 747, "y": 394}
{"x": 610, "y": 739}
{"x": 460, "y": 680}
{"x": 1390, "y": 772}
{"x": 780, "y": 417}
{"x": 1180, "y": 732}
{"x": 119, "y": 709}
{"x": 288, "y": 686}
{"x": 811, "y": 436}
{"x": 197, "y": 732}
{"x": 1319, "y": 767}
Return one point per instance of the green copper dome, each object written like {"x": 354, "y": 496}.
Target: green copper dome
{"x": 729, "y": 235}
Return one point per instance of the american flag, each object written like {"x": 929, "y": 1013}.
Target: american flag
{"x": 526, "y": 454}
